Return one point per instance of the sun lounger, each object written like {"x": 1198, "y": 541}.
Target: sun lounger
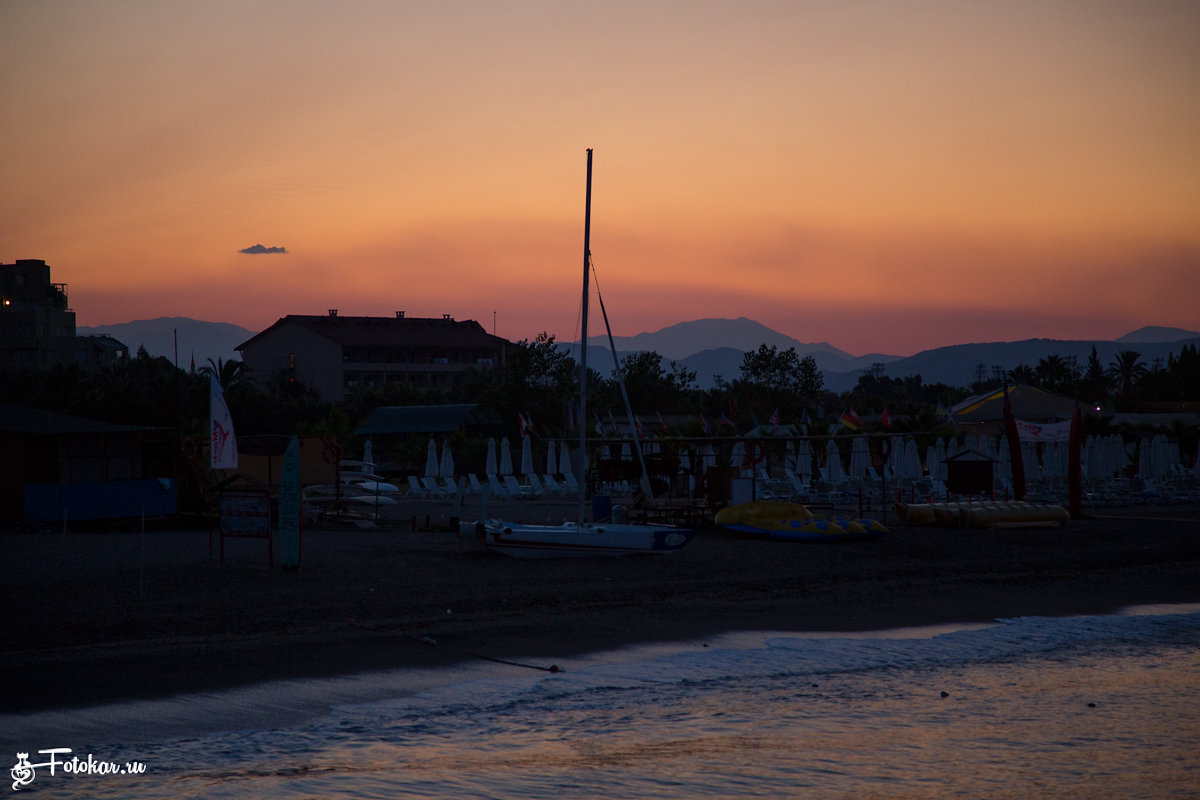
{"x": 415, "y": 488}
{"x": 515, "y": 489}
{"x": 495, "y": 486}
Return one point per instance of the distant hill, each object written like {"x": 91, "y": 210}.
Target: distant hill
{"x": 196, "y": 339}
{"x": 958, "y": 365}
{"x": 1157, "y": 333}
{"x": 686, "y": 338}
{"x": 717, "y": 346}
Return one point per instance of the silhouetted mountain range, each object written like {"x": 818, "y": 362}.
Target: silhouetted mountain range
{"x": 194, "y": 338}
{"x": 718, "y": 346}
{"x": 715, "y": 347}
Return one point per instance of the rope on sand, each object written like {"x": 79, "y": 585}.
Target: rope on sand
{"x": 551, "y": 668}
{"x": 426, "y": 640}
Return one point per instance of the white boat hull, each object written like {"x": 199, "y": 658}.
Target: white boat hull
{"x": 569, "y": 540}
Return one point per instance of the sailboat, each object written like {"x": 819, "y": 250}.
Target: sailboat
{"x": 580, "y": 538}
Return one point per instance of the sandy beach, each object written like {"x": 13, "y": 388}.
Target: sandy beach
{"x": 107, "y": 615}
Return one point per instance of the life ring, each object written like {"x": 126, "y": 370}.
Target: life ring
{"x": 331, "y": 451}
{"x": 187, "y": 448}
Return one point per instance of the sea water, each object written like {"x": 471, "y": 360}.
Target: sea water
{"x": 1095, "y": 707}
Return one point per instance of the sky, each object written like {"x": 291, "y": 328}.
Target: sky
{"x": 886, "y": 177}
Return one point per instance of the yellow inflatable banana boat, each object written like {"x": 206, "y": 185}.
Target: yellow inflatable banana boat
{"x": 793, "y": 522}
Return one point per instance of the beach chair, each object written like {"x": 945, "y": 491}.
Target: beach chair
{"x": 535, "y": 486}
{"x": 432, "y": 487}
{"x": 473, "y": 484}
{"x": 449, "y": 487}
{"x": 415, "y": 488}
{"x": 571, "y": 483}
{"x": 515, "y": 489}
{"x": 553, "y": 486}
{"x": 799, "y": 490}
{"x": 495, "y": 486}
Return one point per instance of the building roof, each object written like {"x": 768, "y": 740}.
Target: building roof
{"x": 385, "y": 331}
{"x": 16, "y": 418}
{"x": 1028, "y": 402}
{"x": 430, "y": 419}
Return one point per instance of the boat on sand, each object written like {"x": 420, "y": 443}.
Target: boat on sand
{"x": 793, "y": 522}
{"x": 579, "y": 537}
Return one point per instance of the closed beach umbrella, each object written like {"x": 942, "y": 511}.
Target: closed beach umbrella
{"x": 447, "y": 464}
{"x": 491, "y": 465}
{"x": 834, "y": 472}
{"x": 552, "y": 459}
{"x": 804, "y": 459}
{"x": 935, "y": 460}
{"x": 859, "y": 455}
{"x": 910, "y": 461}
{"x": 1029, "y": 460}
{"x": 431, "y": 460}
{"x": 1003, "y": 458}
{"x": 526, "y": 455}
{"x": 1145, "y": 460}
{"x": 368, "y": 457}
{"x": 505, "y": 457}
{"x": 737, "y": 455}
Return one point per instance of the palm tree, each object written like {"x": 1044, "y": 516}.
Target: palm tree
{"x": 1055, "y": 373}
{"x": 1022, "y": 373}
{"x": 1126, "y": 370}
{"x": 227, "y": 373}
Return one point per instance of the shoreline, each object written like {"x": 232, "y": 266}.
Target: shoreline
{"x": 96, "y": 625}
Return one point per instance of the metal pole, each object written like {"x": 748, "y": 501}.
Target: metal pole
{"x": 587, "y": 257}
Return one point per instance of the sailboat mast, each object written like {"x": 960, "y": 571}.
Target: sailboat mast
{"x": 587, "y": 258}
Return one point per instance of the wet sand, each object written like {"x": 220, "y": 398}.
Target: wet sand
{"x": 104, "y": 616}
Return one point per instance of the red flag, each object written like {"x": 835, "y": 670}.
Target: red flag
{"x": 885, "y": 418}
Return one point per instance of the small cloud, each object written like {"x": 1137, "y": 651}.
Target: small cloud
{"x": 258, "y": 250}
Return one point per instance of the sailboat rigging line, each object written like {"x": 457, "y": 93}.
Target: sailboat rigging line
{"x": 637, "y": 445}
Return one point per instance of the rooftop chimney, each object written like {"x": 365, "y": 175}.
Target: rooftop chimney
{"x": 333, "y": 312}
{"x": 399, "y": 315}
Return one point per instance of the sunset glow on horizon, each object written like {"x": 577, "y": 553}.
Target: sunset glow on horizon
{"x": 885, "y": 177}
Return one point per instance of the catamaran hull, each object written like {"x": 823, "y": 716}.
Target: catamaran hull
{"x": 573, "y": 541}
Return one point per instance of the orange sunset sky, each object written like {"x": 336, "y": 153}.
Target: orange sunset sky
{"x": 884, "y": 176}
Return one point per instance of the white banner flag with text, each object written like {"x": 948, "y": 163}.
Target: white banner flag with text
{"x": 223, "y": 440}
{"x": 1044, "y": 431}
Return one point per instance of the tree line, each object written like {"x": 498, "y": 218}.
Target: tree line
{"x": 538, "y": 385}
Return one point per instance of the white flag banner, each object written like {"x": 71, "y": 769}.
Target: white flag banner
{"x": 1044, "y": 432}
{"x": 224, "y": 442}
